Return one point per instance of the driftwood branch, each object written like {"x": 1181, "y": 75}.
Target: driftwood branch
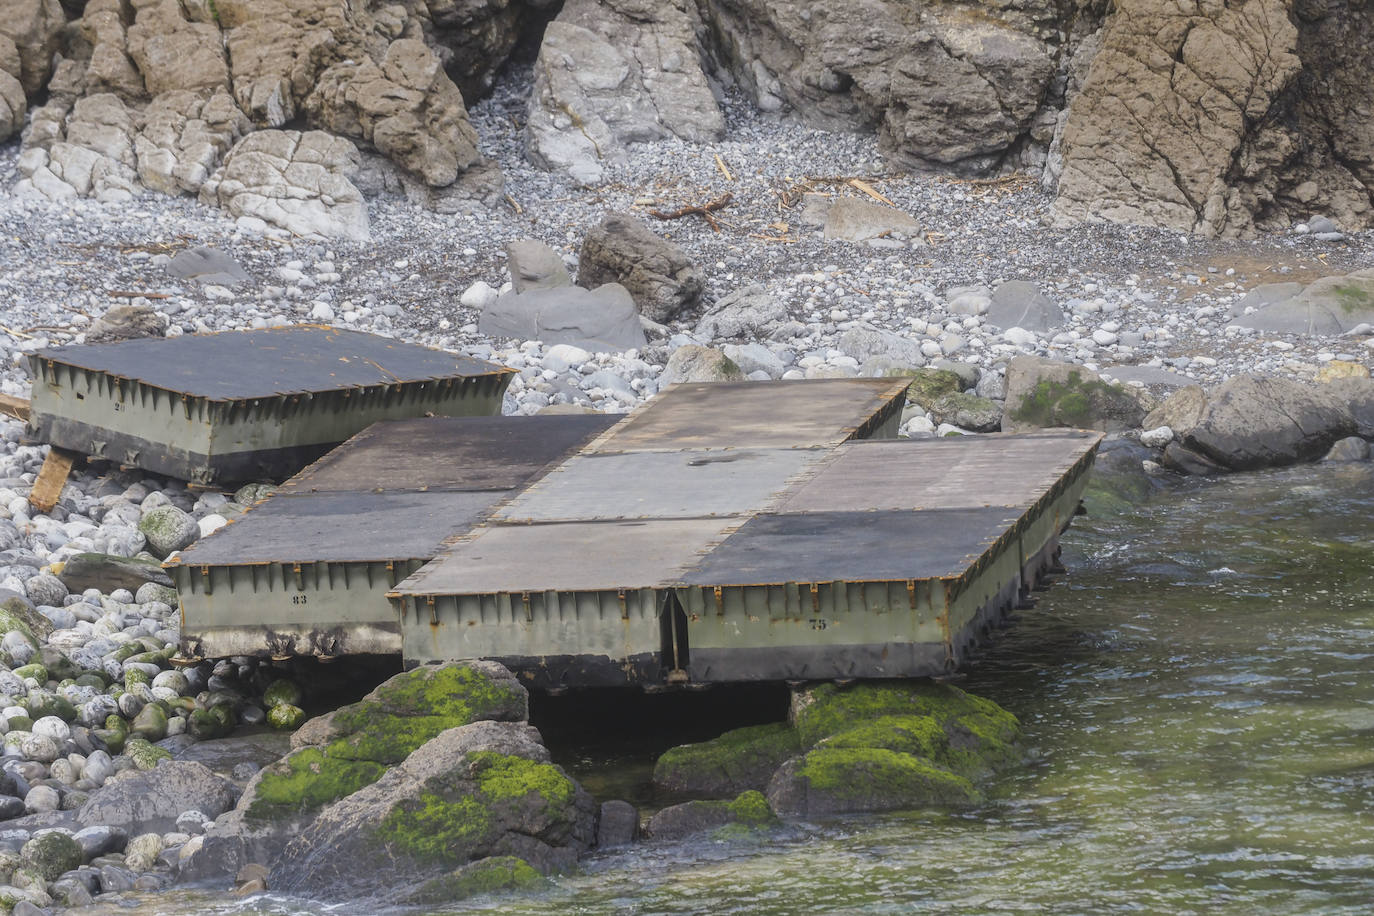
{"x": 704, "y": 211}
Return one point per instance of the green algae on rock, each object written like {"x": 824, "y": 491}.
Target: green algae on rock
{"x": 471, "y": 793}
{"x": 929, "y": 385}
{"x": 352, "y": 746}
{"x": 749, "y": 811}
{"x": 485, "y": 876}
{"x": 741, "y": 759}
{"x": 873, "y": 746}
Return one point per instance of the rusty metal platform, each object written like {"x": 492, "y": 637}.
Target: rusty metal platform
{"x": 857, "y": 558}
{"x": 306, "y": 572}
{"x": 244, "y": 405}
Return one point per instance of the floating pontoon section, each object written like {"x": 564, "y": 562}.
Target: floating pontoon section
{"x": 664, "y": 554}
{"x": 306, "y": 572}
{"x": 244, "y": 405}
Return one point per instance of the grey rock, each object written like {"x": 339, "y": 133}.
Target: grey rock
{"x": 658, "y": 274}
{"x": 754, "y": 357}
{"x": 748, "y": 312}
{"x": 152, "y": 800}
{"x": 534, "y": 265}
{"x": 865, "y": 342}
{"x": 299, "y": 181}
{"x": 336, "y": 855}
{"x": 126, "y": 322}
{"x": 967, "y": 411}
{"x": 1351, "y": 448}
{"x": 692, "y": 363}
{"x": 168, "y": 529}
{"x": 1021, "y": 304}
{"x": 1048, "y": 393}
{"x": 100, "y": 839}
{"x": 968, "y": 300}
{"x": 1252, "y": 422}
{"x": 1265, "y": 295}
{"x": 1182, "y": 410}
{"x": 617, "y": 824}
{"x": 612, "y": 73}
{"x": 208, "y": 266}
{"x": 604, "y": 319}
{"x": 1358, "y": 396}
{"x": 851, "y": 219}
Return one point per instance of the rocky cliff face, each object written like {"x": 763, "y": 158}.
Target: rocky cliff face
{"x": 1221, "y": 117}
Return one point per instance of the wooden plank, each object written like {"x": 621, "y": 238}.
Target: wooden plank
{"x": 11, "y": 406}
{"x": 47, "y": 489}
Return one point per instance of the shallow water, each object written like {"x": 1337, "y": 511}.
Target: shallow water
{"x": 1198, "y": 703}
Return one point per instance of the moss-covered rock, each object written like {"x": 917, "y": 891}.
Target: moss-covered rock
{"x": 1045, "y": 393}
{"x": 851, "y": 779}
{"x": 491, "y": 875}
{"x": 738, "y": 760}
{"x": 51, "y": 854}
{"x": 750, "y": 810}
{"x": 825, "y": 709}
{"x": 355, "y": 744}
{"x": 151, "y": 723}
{"x": 929, "y": 385}
{"x": 284, "y": 716}
{"x": 168, "y": 529}
{"x": 882, "y": 746}
{"x": 144, "y": 754}
{"x": 471, "y": 793}
{"x": 17, "y": 615}
{"x": 33, "y": 670}
{"x": 967, "y": 411}
{"x": 282, "y": 691}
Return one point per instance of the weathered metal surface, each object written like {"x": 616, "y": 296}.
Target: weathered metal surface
{"x": 801, "y": 414}
{"x": 689, "y": 483}
{"x": 867, "y": 559}
{"x": 438, "y": 453}
{"x": 270, "y": 363}
{"x": 244, "y": 404}
{"x": 307, "y": 570}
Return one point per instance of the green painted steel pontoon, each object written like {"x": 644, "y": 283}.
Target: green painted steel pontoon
{"x": 244, "y": 405}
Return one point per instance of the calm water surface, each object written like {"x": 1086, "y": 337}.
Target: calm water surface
{"x": 1198, "y": 702}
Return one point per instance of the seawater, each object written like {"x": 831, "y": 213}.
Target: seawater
{"x": 1197, "y": 696}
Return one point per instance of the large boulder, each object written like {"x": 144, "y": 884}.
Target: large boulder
{"x": 603, "y": 319}
{"x": 662, "y": 279}
{"x": 467, "y": 794}
{"x": 749, "y": 811}
{"x": 693, "y": 363}
{"x": 534, "y": 265}
{"x": 30, "y": 34}
{"x": 617, "y": 72}
{"x": 337, "y": 754}
{"x": 192, "y": 78}
{"x": 107, "y": 573}
{"x": 1045, "y": 393}
{"x": 1222, "y": 118}
{"x": 887, "y": 746}
{"x": 1330, "y": 306}
{"x": 13, "y": 103}
{"x": 1253, "y": 422}
{"x": 151, "y": 800}
{"x": 748, "y": 312}
{"x": 1021, "y": 304}
{"x": 1357, "y": 393}
{"x": 850, "y": 219}
{"x": 945, "y": 88}
{"x": 299, "y": 181}
{"x": 739, "y": 760}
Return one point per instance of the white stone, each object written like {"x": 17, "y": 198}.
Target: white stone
{"x": 1104, "y": 338}
{"x": 212, "y": 522}
{"x": 1158, "y": 437}
{"x": 478, "y": 296}
{"x": 562, "y": 357}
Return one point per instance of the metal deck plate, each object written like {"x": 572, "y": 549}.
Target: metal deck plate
{"x": 243, "y": 365}
{"x": 691, "y": 483}
{"x": 341, "y": 528}
{"x": 998, "y": 470}
{"x": 852, "y": 547}
{"x": 802, "y": 414}
{"x": 572, "y": 556}
{"x": 448, "y": 453}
